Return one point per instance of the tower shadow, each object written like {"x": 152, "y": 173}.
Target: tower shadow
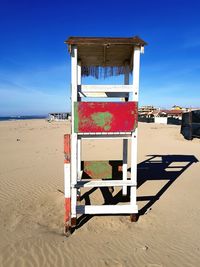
{"x": 161, "y": 167}
{"x": 156, "y": 168}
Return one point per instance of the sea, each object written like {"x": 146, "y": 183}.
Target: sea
{"x": 28, "y": 117}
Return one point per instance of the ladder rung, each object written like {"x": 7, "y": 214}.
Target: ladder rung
{"x": 105, "y": 134}
{"x": 106, "y": 209}
{"x": 106, "y": 88}
{"x": 103, "y": 183}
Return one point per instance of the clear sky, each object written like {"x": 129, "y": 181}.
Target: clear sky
{"x": 35, "y": 66}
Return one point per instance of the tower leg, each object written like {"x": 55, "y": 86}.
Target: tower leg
{"x": 124, "y": 167}
{"x": 79, "y": 166}
{"x": 67, "y": 184}
{"x": 134, "y": 217}
{"x": 74, "y": 178}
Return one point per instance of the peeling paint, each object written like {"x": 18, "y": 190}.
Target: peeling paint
{"x": 103, "y": 169}
{"x": 98, "y": 169}
{"x": 102, "y": 119}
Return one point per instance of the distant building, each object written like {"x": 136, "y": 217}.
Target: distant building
{"x": 175, "y": 107}
{"x": 59, "y": 116}
{"x": 147, "y": 111}
{"x": 171, "y": 113}
{"x": 190, "y": 126}
{"x": 166, "y": 116}
{"x": 172, "y": 116}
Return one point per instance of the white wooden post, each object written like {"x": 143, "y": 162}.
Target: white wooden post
{"x": 67, "y": 183}
{"x": 126, "y": 75}
{"x": 125, "y": 141}
{"x": 124, "y": 167}
{"x": 79, "y": 156}
{"x": 79, "y": 139}
{"x": 74, "y": 92}
{"x": 136, "y": 73}
{"x": 79, "y": 73}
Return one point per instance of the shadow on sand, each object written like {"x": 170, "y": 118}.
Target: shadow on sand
{"x": 155, "y": 168}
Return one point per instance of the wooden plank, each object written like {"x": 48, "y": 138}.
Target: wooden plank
{"x": 136, "y": 73}
{"x": 79, "y": 154}
{"x": 67, "y": 148}
{"x": 102, "y": 169}
{"x": 107, "y": 209}
{"x": 125, "y": 141}
{"x": 109, "y": 135}
{"x": 79, "y": 139}
{"x": 133, "y": 167}
{"x": 124, "y": 167}
{"x": 67, "y": 178}
{"x": 135, "y": 40}
{"x": 105, "y": 117}
{"x": 104, "y": 183}
{"x": 106, "y": 88}
{"x": 104, "y": 95}
{"x": 74, "y": 94}
{"x": 79, "y": 73}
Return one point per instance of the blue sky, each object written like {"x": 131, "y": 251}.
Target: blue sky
{"x": 35, "y": 65}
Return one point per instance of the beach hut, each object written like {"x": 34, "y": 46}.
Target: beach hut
{"x": 190, "y": 126}
{"x": 102, "y": 57}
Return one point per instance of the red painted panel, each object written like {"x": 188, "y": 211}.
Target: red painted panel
{"x": 105, "y": 116}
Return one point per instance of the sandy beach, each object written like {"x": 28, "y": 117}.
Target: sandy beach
{"x": 32, "y": 201}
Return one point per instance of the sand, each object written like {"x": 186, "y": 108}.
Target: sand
{"x": 32, "y": 203}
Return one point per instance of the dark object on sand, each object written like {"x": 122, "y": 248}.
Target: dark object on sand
{"x": 190, "y": 126}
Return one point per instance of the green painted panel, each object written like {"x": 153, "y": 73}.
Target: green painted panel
{"x": 103, "y": 169}
{"x": 102, "y": 119}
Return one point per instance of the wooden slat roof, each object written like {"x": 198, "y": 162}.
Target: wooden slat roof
{"x": 105, "y": 40}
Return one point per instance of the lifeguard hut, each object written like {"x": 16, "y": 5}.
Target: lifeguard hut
{"x": 102, "y": 57}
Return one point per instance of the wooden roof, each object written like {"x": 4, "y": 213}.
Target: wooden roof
{"x": 98, "y": 53}
{"x": 105, "y": 40}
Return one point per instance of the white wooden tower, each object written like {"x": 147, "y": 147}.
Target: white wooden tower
{"x": 102, "y": 120}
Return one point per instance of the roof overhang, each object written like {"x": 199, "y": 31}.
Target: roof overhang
{"x": 105, "y": 52}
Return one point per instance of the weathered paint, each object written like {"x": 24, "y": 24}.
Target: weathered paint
{"x": 103, "y": 169}
{"x": 67, "y": 148}
{"x": 103, "y": 119}
{"x": 105, "y": 116}
{"x": 67, "y": 160}
{"x": 67, "y": 209}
